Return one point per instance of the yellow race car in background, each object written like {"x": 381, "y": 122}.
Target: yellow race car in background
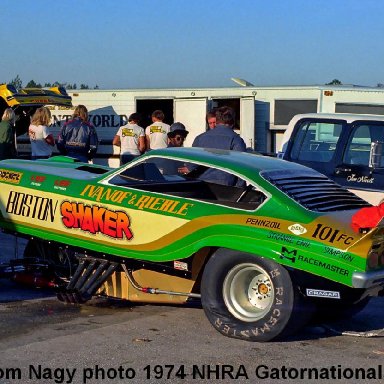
{"x": 25, "y": 102}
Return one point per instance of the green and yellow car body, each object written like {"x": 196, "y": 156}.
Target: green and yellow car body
{"x": 166, "y": 239}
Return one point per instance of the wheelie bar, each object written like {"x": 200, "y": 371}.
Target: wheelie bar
{"x": 89, "y": 276}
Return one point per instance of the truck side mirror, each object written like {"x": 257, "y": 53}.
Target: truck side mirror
{"x": 375, "y": 154}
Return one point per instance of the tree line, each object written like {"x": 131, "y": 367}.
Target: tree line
{"x": 18, "y": 84}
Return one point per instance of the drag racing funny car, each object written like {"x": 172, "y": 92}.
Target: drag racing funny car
{"x": 263, "y": 253}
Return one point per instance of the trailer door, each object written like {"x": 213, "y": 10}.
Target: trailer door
{"x": 191, "y": 112}
{"x": 247, "y": 120}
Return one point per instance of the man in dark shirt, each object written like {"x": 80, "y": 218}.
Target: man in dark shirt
{"x": 221, "y": 136}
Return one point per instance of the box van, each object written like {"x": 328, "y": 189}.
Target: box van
{"x": 345, "y": 147}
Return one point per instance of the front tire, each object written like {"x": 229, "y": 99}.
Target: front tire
{"x": 251, "y": 298}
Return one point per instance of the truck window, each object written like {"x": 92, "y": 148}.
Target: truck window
{"x": 316, "y": 141}
{"x": 359, "y": 143}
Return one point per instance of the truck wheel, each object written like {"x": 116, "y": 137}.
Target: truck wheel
{"x": 251, "y": 298}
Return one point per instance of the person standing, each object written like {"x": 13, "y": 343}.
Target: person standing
{"x": 177, "y": 135}
{"x": 7, "y": 135}
{"x": 221, "y": 137}
{"x": 210, "y": 117}
{"x": 41, "y": 139}
{"x": 131, "y": 139}
{"x": 157, "y": 132}
{"x": 78, "y": 137}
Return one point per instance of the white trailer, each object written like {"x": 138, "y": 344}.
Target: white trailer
{"x": 263, "y": 113}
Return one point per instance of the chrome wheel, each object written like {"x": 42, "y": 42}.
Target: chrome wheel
{"x": 248, "y": 292}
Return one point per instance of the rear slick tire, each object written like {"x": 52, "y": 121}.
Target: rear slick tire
{"x": 251, "y": 298}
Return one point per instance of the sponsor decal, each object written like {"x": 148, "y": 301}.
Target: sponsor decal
{"x": 331, "y": 235}
{"x": 263, "y": 223}
{"x": 360, "y": 179}
{"x": 322, "y": 264}
{"x": 321, "y": 293}
{"x": 61, "y": 184}
{"x": 287, "y": 254}
{"x": 338, "y": 253}
{"x": 293, "y": 257}
{"x": 10, "y": 176}
{"x": 34, "y": 207}
{"x": 281, "y": 237}
{"x": 95, "y": 219}
{"x": 36, "y": 180}
{"x": 144, "y": 202}
{"x": 180, "y": 265}
{"x": 297, "y": 229}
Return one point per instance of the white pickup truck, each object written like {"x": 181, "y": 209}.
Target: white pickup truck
{"x": 347, "y": 148}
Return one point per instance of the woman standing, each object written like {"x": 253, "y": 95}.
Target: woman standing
{"x": 41, "y": 139}
{"x": 7, "y": 135}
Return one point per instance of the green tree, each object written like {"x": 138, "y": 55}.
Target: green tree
{"x": 16, "y": 82}
{"x": 334, "y": 82}
{"x": 84, "y": 86}
{"x": 33, "y": 84}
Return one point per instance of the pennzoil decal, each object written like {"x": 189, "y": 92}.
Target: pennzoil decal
{"x": 263, "y": 223}
{"x": 10, "y": 176}
{"x": 95, "y": 219}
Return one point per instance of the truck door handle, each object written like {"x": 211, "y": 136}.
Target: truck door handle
{"x": 342, "y": 169}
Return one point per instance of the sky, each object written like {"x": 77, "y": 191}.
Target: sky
{"x": 125, "y": 44}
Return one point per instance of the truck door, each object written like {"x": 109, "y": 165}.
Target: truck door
{"x": 191, "y": 112}
{"x": 316, "y": 144}
{"x": 355, "y": 171}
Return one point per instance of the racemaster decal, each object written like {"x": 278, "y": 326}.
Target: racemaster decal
{"x": 139, "y": 201}
{"x": 294, "y": 257}
{"x": 96, "y": 219}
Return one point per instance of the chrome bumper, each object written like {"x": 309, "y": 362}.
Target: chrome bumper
{"x": 368, "y": 279}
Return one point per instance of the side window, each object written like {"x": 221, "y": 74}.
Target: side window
{"x": 190, "y": 180}
{"x": 359, "y": 144}
{"x": 316, "y": 141}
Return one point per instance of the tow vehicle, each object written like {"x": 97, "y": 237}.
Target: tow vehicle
{"x": 348, "y": 148}
{"x": 262, "y": 254}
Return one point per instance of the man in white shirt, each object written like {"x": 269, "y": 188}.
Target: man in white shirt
{"x": 131, "y": 139}
{"x": 157, "y": 132}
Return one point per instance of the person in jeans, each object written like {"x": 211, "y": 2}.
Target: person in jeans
{"x": 42, "y": 140}
{"x": 78, "y": 137}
